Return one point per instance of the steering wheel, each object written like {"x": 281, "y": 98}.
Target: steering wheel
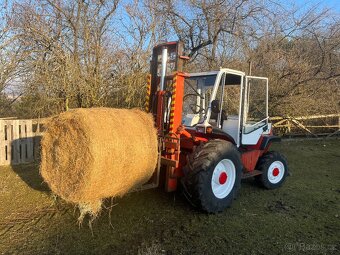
{"x": 194, "y": 106}
{"x": 192, "y": 94}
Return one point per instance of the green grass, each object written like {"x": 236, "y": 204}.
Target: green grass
{"x": 302, "y": 217}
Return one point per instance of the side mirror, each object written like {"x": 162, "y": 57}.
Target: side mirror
{"x": 215, "y": 106}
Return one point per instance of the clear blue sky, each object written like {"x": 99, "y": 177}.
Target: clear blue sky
{"x": 333, "y": 4}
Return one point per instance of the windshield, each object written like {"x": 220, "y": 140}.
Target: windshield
{"x": 197, "y": 94}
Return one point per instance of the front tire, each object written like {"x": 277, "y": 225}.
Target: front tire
{"x": 274, "y": 170}
{"x": 213, "y": 176}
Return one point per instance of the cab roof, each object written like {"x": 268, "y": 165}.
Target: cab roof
{"x": 233, "y": 76}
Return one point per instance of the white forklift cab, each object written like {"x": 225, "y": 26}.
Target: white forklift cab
{"x": 230, "y": 101}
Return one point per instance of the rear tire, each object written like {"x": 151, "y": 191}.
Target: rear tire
{"x": 274, "y": 170}
{"x": 213, "y": 176}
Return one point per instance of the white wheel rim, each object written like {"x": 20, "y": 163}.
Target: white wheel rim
{"x": 276, "y": 172}
{"x": 223, "y": 178}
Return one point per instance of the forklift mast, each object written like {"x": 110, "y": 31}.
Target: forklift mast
{"x": 165, "y": 86}
{"x": 164, "y": 100}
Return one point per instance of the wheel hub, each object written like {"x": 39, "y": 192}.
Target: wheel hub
{"x": 223, "y": 178}
{"x": 276, "y": 171}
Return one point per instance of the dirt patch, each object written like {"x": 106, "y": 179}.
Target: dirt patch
{"x": 280, "y": 206}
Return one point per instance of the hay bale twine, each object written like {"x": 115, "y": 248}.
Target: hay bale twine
{"x": 91, "y": 154}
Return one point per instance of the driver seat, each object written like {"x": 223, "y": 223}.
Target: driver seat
{"x": 215, "y": 110}
{"x": 214, "y": 116}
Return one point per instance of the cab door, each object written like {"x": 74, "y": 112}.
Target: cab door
{"x": 255, "y": 110}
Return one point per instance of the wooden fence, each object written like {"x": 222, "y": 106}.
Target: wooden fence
{"x": 19, "y": 141}
{"x": 315, "y": 125}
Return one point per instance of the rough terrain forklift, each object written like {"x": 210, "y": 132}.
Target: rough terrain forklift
{"x": 213, "y": 130}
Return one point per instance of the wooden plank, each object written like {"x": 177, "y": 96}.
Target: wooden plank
{"x": 303, "y": 127}
{"x": 332, "y": 126}
{"x": 9, "y": 118}
{"x": 281, "y": 123}
{"x": 16, "y": 141}
{"x": 335, "y": 133}
{"x": 317, "y": 116}
{"x": 2, "y": 143}
{"x": 305, "y": 117}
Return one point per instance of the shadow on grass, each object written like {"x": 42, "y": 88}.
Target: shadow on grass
{"x": 29, "y": 173}
{"x": 250, "y": 182}
{"x": 27, "y": 149}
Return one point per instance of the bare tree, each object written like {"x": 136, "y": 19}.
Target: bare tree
{"x": 74, "y": 53}
{"x": 204, "y": 24}
{"x": 69, "y": 49}
{"x": 140, "y": 30}
{"x": 303, "y": 64}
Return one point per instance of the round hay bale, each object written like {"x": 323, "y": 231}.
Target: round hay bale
{"x": 91, "y": 154}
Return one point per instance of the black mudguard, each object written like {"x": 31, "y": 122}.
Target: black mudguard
{"x": 268, "y": 139}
